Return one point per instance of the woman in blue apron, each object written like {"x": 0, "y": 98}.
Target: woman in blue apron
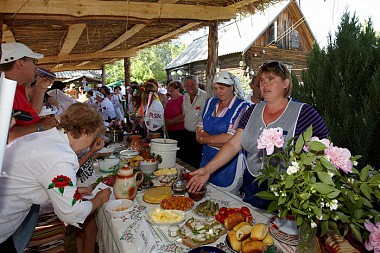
{"x": 218, "y": 125}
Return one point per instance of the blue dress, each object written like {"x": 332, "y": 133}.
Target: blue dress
{"x": 225, "y": 175}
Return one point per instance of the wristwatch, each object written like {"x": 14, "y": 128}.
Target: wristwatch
{"x": 40, "y": 128}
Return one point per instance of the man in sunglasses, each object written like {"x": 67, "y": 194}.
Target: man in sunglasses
{"x": 18, "y": 62}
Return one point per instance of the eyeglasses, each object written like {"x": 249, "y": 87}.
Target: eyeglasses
{"x": 35, "y": 61}
{"x": 272, "y": 65}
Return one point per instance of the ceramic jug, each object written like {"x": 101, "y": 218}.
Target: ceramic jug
{"x": 136, "y": 142}
{"x": 125, "y": 186}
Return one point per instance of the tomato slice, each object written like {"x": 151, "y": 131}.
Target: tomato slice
{"x": 248, "y": 218}
{"x": 231, "y": 211}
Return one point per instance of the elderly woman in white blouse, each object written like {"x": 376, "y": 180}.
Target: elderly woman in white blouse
{"x": 34, "y": 174}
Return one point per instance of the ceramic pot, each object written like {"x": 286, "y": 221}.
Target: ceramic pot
{"x": 126, "y": 183}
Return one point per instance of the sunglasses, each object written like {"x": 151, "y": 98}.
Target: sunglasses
{"x": 35, "y": 61}
{"x": 272, "y": 65}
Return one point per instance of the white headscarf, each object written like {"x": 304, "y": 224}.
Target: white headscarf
{"x": 227, "y": 78}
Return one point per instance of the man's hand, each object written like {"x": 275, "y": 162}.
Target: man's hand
{"x": 84, "y": 191}
{"x": 43, "y": 83}
{"x": 49, "y": 122}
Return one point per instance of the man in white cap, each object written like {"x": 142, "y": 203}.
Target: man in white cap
{"x": 18, "y": 62}
{"x": 105, "y": 107}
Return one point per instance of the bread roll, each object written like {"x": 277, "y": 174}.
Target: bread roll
{"x": 234, "y": 243}
{"x": 240, "y": 225}
{"x": 268, "y": 240}
{"x": 243, "y": 232}
{"x": 245, "y": 241}
{"x": 253, "y": 247}
{"x": 233, "y": 220}
{"x": 259, "y": 231}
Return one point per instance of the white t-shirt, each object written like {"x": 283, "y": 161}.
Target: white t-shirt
{"x": 39, "y": 167}
{"x": 106, "y": 109}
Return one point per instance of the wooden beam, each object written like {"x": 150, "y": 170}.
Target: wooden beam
{"x": 129, "y": 33}
{"x": 141, "y": 10}
{"x": 64, "y": 67}
{"x": 83, "y": 63}
{"x": 7, "y": 34}
{"x": 86, "y": 57}
{"x": 242, "y": 3}
{"x": 169, "y": 35}
{"x": 73, "y": 35}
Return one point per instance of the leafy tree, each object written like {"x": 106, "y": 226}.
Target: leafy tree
{"x": 342, "y": 83}
{"x": 149, "y": 62}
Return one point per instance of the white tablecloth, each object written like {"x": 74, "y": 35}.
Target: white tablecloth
{"x": 116, "y": 234}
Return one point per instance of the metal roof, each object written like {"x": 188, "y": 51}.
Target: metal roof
{"x": 234, "y": 37}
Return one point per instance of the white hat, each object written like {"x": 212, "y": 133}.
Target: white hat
{"x": 15, "y": 51}
{"x": 99, "y": 94}
{"x": 163, "y": 91}
{"x": 72, "y": 85}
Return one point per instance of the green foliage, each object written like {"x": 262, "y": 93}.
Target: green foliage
{"x": 148, "y": 63}
{"x": 342, "y": 83}
{"x": 310, "y": 185}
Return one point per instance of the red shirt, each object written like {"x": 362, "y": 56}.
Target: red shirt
{"x": 21, "y": 102}
{"x": 173, "y": 109}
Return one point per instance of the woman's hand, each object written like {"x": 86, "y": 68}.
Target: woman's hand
{"x": 85, "y": 191}
{"x": 198, "y": 179}
{"x": 104, "y": 195}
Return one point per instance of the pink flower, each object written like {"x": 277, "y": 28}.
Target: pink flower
{"x": 373, "y": 242}
{"x": 340, "y": 157}
{"x": 269, "y": 138}
{"x": 324, "y": 141}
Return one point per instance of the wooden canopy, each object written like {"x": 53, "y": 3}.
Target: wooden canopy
{"x": 86, "y": 34}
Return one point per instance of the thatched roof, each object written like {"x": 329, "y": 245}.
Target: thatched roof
{"x": 87, "y": 34}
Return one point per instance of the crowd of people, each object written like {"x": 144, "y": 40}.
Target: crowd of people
{"x": 49, "y": 158}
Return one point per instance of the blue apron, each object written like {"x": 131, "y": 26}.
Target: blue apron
{"x": 225, "y": 175}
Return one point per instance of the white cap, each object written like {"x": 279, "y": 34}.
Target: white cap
{"x": 15, "y": 51}
{"x": 99, "y": 94}
{"x": 163, "y": 91}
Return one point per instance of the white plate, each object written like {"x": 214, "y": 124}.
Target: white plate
{"x": 128, "y": 153}
{"x": 106, "y": 150}
{"x": 181, "y": 213}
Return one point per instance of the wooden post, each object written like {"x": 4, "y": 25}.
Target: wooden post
{"x": 1, "y": 33}
{"x": 127, "y": 79}
{"x": 212, "y": 60}
{"x": 103, "y": 74}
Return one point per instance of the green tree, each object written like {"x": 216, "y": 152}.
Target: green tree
{"x": 342, "y": 83}
{"x": 148, "y": 63}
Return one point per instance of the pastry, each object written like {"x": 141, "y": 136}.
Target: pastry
{"x": 259, "y": 231}
{"x": 243, "y": 233}
{"x": 240, "y": 225}
{"x": 234, "y": 243}
{"x": 234, "y": 219}
{"x": 156, "y": 194}
{"x": 253, "y": 247}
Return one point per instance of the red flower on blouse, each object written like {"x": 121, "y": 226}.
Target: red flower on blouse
{"x": 60, "y": 182}
{"x": 77, "y": 196}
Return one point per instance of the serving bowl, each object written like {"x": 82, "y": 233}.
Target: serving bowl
{"x": 198, "y": 195}
{"x": 109, "y": 164}
{"x": 148, "y": 167}
{"x": 119, "y": 207}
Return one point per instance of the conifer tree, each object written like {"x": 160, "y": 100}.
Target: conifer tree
{"x": 343, "y": 83}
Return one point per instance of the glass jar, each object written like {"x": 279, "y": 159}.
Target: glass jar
{"x": 179, "y": 184}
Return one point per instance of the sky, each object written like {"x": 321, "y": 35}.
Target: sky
{"x": 324, "y": 16}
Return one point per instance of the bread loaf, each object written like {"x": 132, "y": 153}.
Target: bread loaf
{"x": 233, "y": 220}
{"x": 240, "y": 225}
{"x": 243, "y": 232}
{"x": 234, "y": 243}
{"x": 245, "y": 241}
{"x": 253, "y": 247}
{"x": 338, "y": 244}
{"x": 259, "y": 231}
{"x": 268, "y": 240}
